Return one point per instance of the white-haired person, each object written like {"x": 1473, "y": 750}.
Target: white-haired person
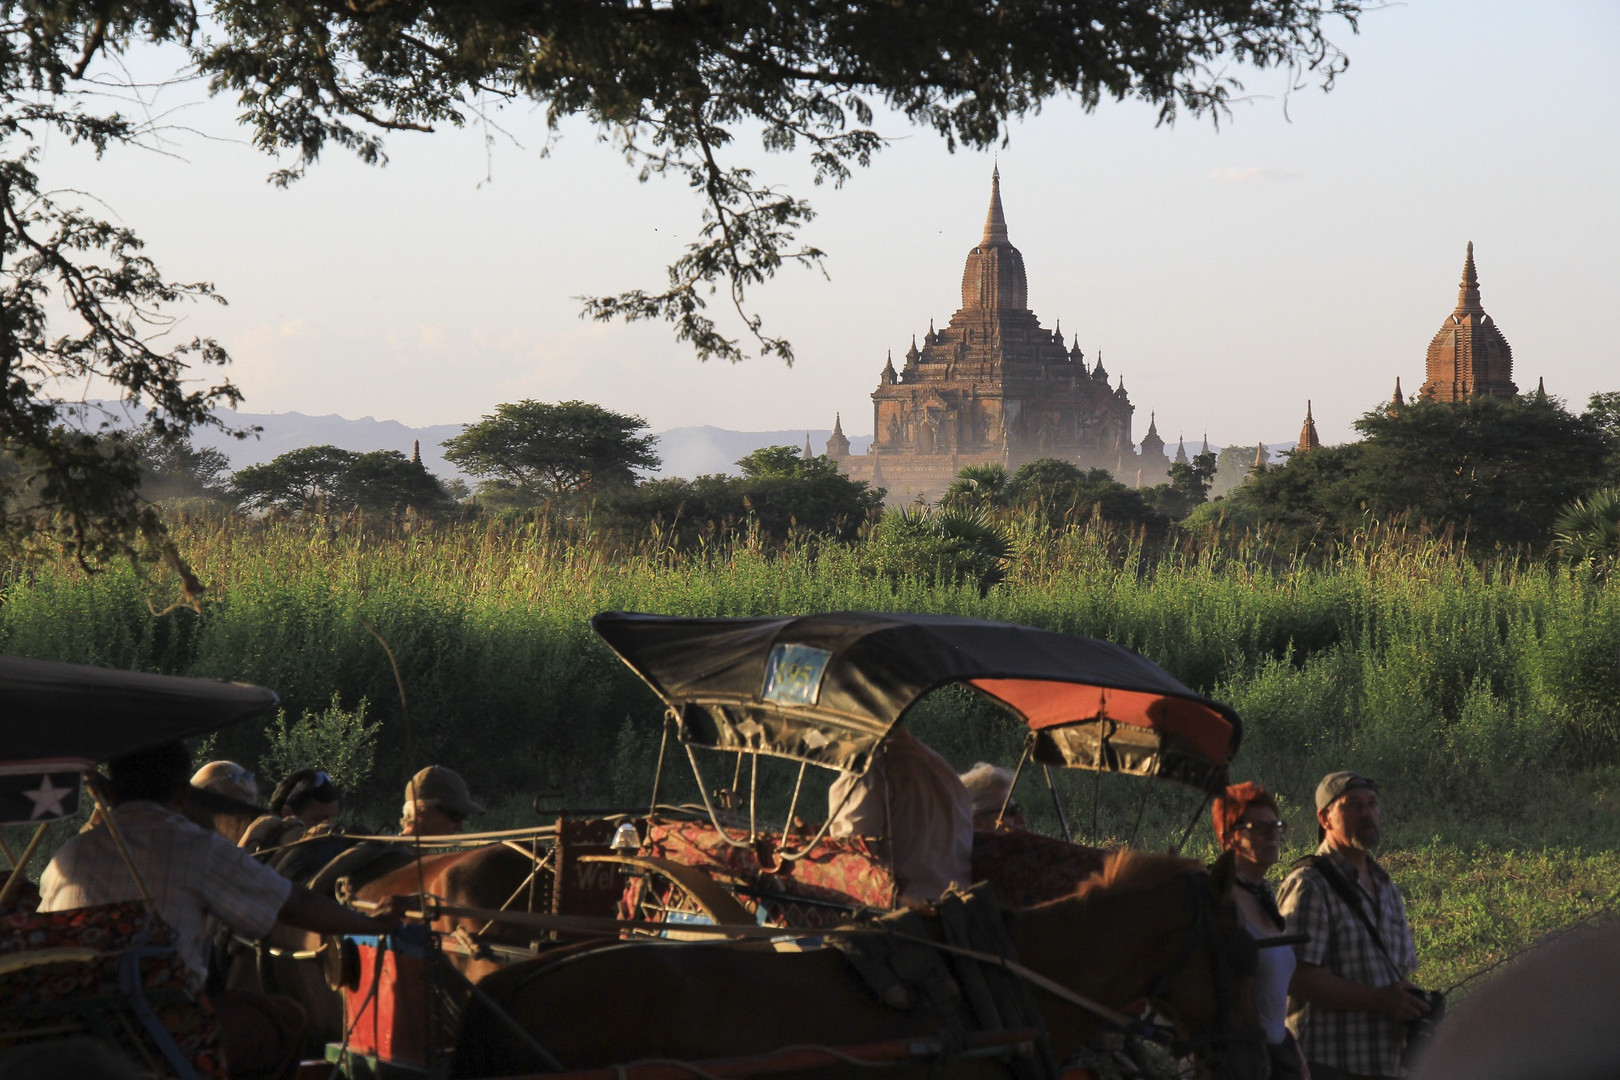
{"x": 994, "y": 809}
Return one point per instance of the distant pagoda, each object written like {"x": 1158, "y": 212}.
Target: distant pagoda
{"x": 1469, "y": 357}
{"x": 993, "y": 386}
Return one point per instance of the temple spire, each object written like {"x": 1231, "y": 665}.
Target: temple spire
{"x": 1308, "y": 439}
{"x": 995, "y": 222}
{"x": 808, "y": 453}
{"x": 1400, "y": 398}
{"x": 1260, "y": 455}
{"x": 838, "y": 424}
{"x": 1468, "y": 288}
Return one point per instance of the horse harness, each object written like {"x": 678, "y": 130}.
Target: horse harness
{"x": 1231, "y": 958}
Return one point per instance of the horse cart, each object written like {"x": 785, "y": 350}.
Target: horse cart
{"x": 110, "y": 972}
{"x": 534, "y": 927}
{"x": 822, "y": 691}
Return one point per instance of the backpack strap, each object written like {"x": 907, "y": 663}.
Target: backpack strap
{"x": 1352, "y": 897}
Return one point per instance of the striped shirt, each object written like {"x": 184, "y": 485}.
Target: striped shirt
{"x": 192, "y": 874}
{"x": 1363, "y": 1043}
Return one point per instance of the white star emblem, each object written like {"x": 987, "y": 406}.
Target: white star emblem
{"x": 47, "y": 799}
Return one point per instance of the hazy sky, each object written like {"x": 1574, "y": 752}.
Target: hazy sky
{"x": 1308, "y": 249}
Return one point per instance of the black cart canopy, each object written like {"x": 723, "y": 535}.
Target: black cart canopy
{"x": 79, "y": 715}
{"x": 827, "y": 688}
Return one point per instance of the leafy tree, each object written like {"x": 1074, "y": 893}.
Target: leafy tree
{"x": 1188, "y": 488}
{"x": 330, "y": 479}
{"x": 1604, "y": 411}
{"x": 673, "y": 84}
{"x": 779, "y": 494}
{"x": 1232, "y": 466}
{"x": 977, "y": 486}
{"x": 388, "y": 482}
{"x": 941, "y": 546}
{"x": 533, "y": 451}
{"x": 1495, "y": 470}
{"x": 1066, "y": 495}
{"x": 80, "y": 301}
{"x": 302, "y": 479}
{"x": 172, "y": 468}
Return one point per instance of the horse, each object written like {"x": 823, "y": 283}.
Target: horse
{"x": 1148, "y": 929}
{"x": 1550, "y": 1014}
{"x": 491, "y": 877}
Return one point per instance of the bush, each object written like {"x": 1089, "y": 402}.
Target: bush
{"x": 336, "y": 739}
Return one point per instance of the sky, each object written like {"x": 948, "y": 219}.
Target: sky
{"x": 1308, "y": 249}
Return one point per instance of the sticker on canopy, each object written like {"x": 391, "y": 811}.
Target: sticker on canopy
{"x": 793, "y": 674}
{"x": 37, "y": 793}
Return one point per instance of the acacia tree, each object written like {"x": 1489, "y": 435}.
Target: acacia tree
{"x": 533, "y": 450}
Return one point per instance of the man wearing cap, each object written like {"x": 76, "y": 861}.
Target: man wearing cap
{"x": 1349, "y": 1001}
{"x": 437, "y": 803}
{"x": 192, "y": 875}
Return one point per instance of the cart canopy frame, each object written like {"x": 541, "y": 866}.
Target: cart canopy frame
{"x": 825, "y": 689}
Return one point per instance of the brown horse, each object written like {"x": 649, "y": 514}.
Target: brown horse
{"x": 488, "y": 877}
{"x": 1148, "y": 927}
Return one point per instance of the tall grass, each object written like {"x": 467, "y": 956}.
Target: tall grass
{"x": 1451, "y": 680}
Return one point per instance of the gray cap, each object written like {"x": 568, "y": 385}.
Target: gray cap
{"x": 1336, "y": 784}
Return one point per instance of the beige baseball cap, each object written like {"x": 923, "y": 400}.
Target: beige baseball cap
{"x": 444, "y": 788}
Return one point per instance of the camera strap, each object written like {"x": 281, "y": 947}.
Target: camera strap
{"x": 1351, "y": 894}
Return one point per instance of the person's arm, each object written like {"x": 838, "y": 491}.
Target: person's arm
{"x": 314, "y": 912}
{"x": 1322, "y": 988}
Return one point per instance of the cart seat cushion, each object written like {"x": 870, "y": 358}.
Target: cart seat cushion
{"x": 89, "y": 995}
{"x": 843, "y": 871}
{"x": 1027, "y": 868}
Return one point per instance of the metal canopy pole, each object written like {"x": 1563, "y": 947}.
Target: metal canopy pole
{"x": 14, "y": 882}
{"x": 1057, "y": 804}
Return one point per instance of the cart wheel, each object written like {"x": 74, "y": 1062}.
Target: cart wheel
{"x": 674, "y": 893}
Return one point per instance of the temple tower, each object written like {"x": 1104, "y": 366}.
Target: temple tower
{"x": 1308, "y": 439}
{"x": 993, "y": 385}
{"x": 837, "y": 445}
{"x": 1469, "y": 356}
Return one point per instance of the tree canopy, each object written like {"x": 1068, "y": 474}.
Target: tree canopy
{"x": 332, "y": 480}
{"x": 532, "y": 451}
{"x": 673, "y": 84}
{"x": 780, "y": 494}
{"x": 1494, "y": 470}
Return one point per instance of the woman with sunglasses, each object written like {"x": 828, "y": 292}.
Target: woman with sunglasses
{"x": 1250, "y": 831}
{"x": 307, "y": 796}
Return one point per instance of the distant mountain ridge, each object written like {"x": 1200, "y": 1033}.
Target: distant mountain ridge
{"x": 686, "y": 451}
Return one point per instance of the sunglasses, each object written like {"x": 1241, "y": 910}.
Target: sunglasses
{"x": 309, "y": 783}
{"x": 1278, "y": 827}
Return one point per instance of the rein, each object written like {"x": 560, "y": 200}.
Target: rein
{"x": 1200, "y": 931}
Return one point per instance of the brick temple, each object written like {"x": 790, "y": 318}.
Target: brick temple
{"x": 1469, "y": 356}
{"x": 994, "y": 385}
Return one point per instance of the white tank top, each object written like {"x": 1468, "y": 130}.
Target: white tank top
{"x": 1271, "y": 982}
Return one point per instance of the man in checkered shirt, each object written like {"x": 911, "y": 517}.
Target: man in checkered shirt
{"x": 194, "y": 875}
{"x": 1350, "y": 1001}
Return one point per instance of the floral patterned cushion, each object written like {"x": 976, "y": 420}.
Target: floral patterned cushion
{"x": 88, "y": 993}
{"x": 1027, "y": 868}
{"x": 822, "y": 889}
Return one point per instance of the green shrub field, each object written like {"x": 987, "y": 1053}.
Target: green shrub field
{"x": 1484, "y": 695}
